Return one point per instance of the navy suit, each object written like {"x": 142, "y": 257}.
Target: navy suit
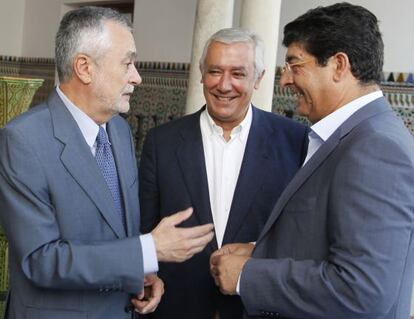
{"x": 173, "y": 177}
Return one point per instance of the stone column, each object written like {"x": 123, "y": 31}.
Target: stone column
{"x": 211, "y": 16}
{"x": 262, "y": 17}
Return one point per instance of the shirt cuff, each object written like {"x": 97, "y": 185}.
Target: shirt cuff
{"x": 238, "y": 284}
{"x": 149, "y": 256}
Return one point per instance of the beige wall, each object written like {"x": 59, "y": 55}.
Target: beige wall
{"x": 163, "y": 29}
{"x": 40, "y": 25}
{"x": 396, "y": 24}
{"x": 11, "y": 27}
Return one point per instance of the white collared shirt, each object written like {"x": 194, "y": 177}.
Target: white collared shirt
{"x": 323, "y": 129}
{"x": 90, "y": 131}
{"x": 223, "y": 161}
{"x": 87, "y": 126}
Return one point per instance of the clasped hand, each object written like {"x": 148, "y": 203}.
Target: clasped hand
{"x": 149, "y": 298}
{"x": 227, "y": 263}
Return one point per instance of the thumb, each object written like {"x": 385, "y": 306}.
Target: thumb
{"x": 181, "y": 216}
{"x": 141, "y": 295}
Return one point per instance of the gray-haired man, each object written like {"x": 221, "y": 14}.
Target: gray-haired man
{"x": 69, "y": 187}
{"x": 230, "y": 161}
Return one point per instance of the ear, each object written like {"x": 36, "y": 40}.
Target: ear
{"x": 259, "y": 79}
{"x": 202, "y": 77}
{"x": 82, "y": 68}
{"x": 341, "y": 66}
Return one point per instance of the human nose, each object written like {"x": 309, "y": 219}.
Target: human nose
{"x": 135, "y": 78}
{"x": 285, "y": 78}
{"x": 224, "y": 83}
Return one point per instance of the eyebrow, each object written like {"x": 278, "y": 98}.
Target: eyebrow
{"x": 237, "y": 68}
{"x": 131, "y": 55}
{"x": 290, "y": 58}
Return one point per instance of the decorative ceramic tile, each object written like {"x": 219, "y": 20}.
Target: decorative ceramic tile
{"x": 16, "y": 94}
{"x": 162, "y": 97}
{"x": 400, "y": 78}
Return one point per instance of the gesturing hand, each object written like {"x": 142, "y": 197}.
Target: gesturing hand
{"x": 177, "y": 244}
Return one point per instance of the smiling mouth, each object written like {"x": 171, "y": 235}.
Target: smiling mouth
{"x": 296, "y": 93}
{"x": 224, "y": 98}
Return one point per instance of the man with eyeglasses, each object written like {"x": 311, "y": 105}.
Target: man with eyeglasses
{"x": 339, "y": 241}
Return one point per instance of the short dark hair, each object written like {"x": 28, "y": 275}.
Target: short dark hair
{"x": 82, "y": 31}
{"x": 342, "y": 27}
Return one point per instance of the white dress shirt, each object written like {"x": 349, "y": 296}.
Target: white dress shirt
{"x": 90, "y": 131}
{"x": 223, "y": 162}
{"x": 323, "y": 129}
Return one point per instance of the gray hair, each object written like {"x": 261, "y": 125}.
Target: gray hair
{"x": 83, "y": 31}
{"x": 232, "y": 35}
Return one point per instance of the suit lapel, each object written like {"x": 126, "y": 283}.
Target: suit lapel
{"x": 255, "y": 161}
{"x": 371, "y": 109}
{"x": 190, "y": 155}
{"x": 301, "y": 176}
{"x": 80, "y": 163}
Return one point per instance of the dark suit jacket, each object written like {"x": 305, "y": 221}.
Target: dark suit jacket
{"x": 339, "y": 242}
{"x": 173, "y": 177}
{"x": 70, "y": 254}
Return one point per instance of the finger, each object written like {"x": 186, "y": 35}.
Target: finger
{"x": 149, "y": 279}
{"x": 216, "y": 281}
{"x": 194, "y": 246}
{"x": 217, "y": 253}
{"x": 181, "y": 216}
{"x": 196, "y": 231}
{"x": 141, "y": 295}
{"x": 150, "y": 306}
{"x": 214, "y": 272}
{"x": 158, "y": 289}
{"x": 139, "y": 305}
{"x": 157, "y": 292}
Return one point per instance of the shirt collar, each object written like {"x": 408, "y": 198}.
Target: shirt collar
{"x": 241, "y": 131}
{"x": 87, "y": 126}
{"x": 326, "y": 126}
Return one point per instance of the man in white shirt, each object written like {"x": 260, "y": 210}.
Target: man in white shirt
{"x": 229, "y": 161}
{"x": 339, "y": 241}
{"x": 69, "y": 187}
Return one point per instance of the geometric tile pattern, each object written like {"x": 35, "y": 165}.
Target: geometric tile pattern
{"x": 162, "y": 95}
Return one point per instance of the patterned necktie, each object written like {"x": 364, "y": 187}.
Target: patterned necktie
{"x": 106, "y": 163}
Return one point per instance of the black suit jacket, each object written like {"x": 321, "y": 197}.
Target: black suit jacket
{"x": 173, "y": 177}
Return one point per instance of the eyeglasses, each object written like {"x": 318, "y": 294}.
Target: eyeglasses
{"x": 288, "y": 66}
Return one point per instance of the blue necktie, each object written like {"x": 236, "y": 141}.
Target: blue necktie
{"x": 106, "y": 163}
